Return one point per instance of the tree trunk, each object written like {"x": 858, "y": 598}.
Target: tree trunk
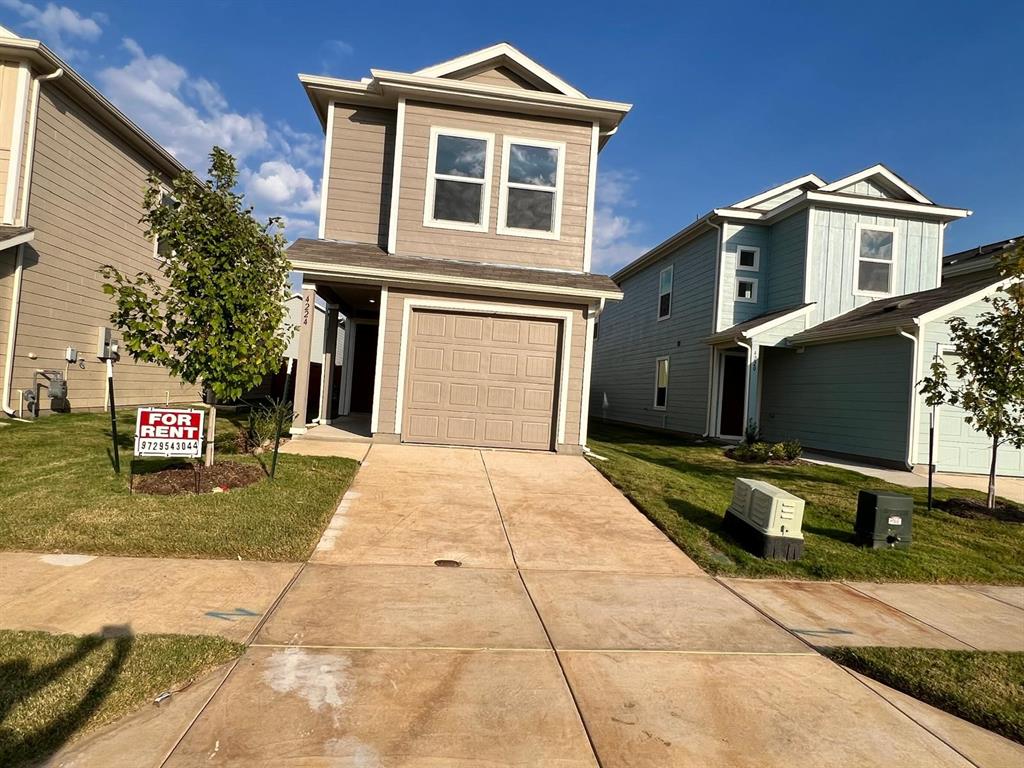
{"x": 992, "y": 475}
{"x": 211, "y": 432}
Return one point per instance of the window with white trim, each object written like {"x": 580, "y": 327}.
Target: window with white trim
{"x": 458, "y": 180}
{"x": 531, "y": 188}
{"x": 746, "y": 290}
{"x": 162, "y": 249}
{"x": 748, "y": 257}
{"x": 875, "y": 250}
{"x": 665, "y": 293}
{"x": 660, "y": 383}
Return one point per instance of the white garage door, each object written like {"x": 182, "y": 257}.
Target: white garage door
{"x": 484, "y": 380}
{"x": 960, "y": 448}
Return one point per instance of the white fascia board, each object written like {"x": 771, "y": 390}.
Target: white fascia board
{"x": 810, "y": 178}
{"x": 882, "y": 204}
{"x": 738, "y": 213}
{"x": 777, "y": 321}
{"x": 11, "y": 242}
{"x": 877, "y": 170}
{"x": 398, "y": 276}
{"x": 963, "y": 301}
{"x": 495, "y": 53}
{"x": 666, "y": 246}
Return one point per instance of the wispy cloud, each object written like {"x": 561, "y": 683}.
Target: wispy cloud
{"x": 63, "y": 29}
{"x": 333, "y": 53}
{"x": 617, "y": 234}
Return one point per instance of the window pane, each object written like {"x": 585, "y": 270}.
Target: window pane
{"x": 457, "y": 201}
{"x": 660, "y": 397}
{"x": 530, "y": 209}
{"x": 874, "y": 276}
{"x": 457, "y": 156}
{"x": 876, "y": 244}
{"x": 665, "y": 281}
{"x": 663, "y": 373}
{"x": 745, "y": 290}
{"x": 746, "y": 258}
{"x": 664, "y": 304}
{"x": 532, "y": 165}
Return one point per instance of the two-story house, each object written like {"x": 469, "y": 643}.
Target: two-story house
{"x": 455, "y": 237}
{"x": 73, "y": 170}
{"x": 808, "y": 311}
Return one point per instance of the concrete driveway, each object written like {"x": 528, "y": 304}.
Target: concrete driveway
{"x": 482, "y": 608}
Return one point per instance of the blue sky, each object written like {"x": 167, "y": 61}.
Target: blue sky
{"x": 729, "y": 100}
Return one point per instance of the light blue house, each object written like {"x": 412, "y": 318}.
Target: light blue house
{"x": 808, "y": 311}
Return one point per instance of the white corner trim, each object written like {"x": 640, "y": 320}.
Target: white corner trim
{"x": 808, "y": 254}
{"x": 942, "y": 248}
{"x": 757, "y": 258}
{"x": 517, "y": 310}
{"x": 11, "y": 195}
{"x": 915, "y": 399}
{"x": 379, "y": 362}
{"x": 396, "y": 177}
{"x": 556, "y": 211}
{"x": 877, "y": 170}
{"x": 433, "y": 177}
{"x": 857, "y": 259}
{"x": 752, "y": 299}
{"x": 325, "y": 178}
{"x": 588, "y": 362}
{"x": 588, "y": 237}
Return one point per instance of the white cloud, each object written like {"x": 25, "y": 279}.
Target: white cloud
{"x": 188, "y": 116}
{"x": 333, "y": 52}
{"x": 58, "y": 26}
{"x": 282, "y": 186}
{"x": 615, "y": 231}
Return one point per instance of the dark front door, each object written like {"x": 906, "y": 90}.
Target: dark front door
{"x": 734, "y": 389}
{"x": 364, "y": 365}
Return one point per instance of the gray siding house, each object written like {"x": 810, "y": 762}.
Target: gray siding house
{"x": 808, "y": 311}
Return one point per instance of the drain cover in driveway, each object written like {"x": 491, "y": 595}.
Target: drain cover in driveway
{"x": 447, "y": 563}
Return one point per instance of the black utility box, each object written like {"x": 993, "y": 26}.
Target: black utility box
{"x": 884, "y": 519}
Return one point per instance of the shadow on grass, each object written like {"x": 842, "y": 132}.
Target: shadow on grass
{"x": 19, "y": 682}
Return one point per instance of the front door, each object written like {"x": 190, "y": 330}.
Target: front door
{"x": 734, "y": 390}
{"x": 364, "y": 368}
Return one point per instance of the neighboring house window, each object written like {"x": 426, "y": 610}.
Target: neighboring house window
{"x": 530, "y": 200}
{"x": 660, "y": 383}
{"x": 458, "y": 180}
{"x": 746, "y": 290}
{"x": 161, "y": 249}
{"x": 874, "y": 270}
{"x": 665, "y": 293}
{"x": 748, "y": 257}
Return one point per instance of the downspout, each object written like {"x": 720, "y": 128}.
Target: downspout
{"x": 712, "y": 353}
{"x": 746, "y": 388}
{"x": 913, "y": 412}
{"x": 19, "y": 264}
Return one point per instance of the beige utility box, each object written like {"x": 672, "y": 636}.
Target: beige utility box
{"x": 766, "y": 520}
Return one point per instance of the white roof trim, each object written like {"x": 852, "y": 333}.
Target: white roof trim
{"x": 877, "y": 170}
{"x": 963, "y": 301}
{"x": 11, "y": 242}
{"x": 781, "y": 320}
{"x": 882, "y": 203}
{"x": 768, "y": 194}
{"x": 496, "y": 53}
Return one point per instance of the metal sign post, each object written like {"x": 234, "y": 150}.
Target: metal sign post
{"x": 280, "y": 417}
{"x": 113, "y": 414}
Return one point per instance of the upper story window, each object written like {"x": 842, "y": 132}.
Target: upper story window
{"x": 748, "y": 257}
{"x": 746, "y": 290}
{"x": 530, "y": 200}
{"x": 161, "y": 248}
{"x": 876, "y": 246}
{"x": 665, "y": 293}
{"x": 458, "y": 179}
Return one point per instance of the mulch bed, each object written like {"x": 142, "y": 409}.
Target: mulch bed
{"x": 972, "y": 509}
{"x": 182, "y": 479}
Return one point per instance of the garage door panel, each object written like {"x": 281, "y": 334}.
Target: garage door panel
{"x": 492, "y": 384}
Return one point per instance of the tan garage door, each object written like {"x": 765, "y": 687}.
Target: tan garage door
{"x": 480, "y": 380}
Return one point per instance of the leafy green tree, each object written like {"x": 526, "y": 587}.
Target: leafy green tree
{"x": 215, "y": 318}
{"x": 989, "y": 366}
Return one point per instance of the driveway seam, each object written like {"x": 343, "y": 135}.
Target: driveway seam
{"x": 543, "y": 626}
{"x": 910, "y": 615}
{"x": 975, "y": 588}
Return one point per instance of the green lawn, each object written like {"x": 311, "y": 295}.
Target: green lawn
{"x": 983, "y": 687}
{"x": 60, "y": 494}
{"x": 685, "y": 487}
{"x": 55, "y": 687}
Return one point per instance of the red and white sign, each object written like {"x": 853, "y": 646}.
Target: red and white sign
{"x": 169, "y": 432}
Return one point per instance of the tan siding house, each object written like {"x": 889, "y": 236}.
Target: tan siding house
{"x": 83, "y": 170}
{"x": 455, "y": 239}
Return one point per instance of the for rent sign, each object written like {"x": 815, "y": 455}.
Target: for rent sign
{"x": 169, "y": 432}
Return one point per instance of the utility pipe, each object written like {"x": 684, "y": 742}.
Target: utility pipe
{"x": 19, "y": 265}
{"x": 746, "y": 385}
{"x": 912, "y": 405}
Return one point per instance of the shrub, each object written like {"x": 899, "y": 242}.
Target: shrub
{"x": 752, "y": 434}
{"x": 263, "y": 425}
{"x": 791, "y": 449}
{"x": 761, "y": 452}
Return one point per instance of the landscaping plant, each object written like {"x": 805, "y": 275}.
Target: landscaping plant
{"x": 989, "y": 366}
{"x": 215, "y": 318}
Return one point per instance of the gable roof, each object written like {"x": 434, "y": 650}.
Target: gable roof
{"x": 886, "y": 179}
{"x": 501, "y": 55}
{"x": 891, "y": 314}
{"x": 760, "y": 324}
{"x": 810, "y": 181}
{"x": 980, "y": 257}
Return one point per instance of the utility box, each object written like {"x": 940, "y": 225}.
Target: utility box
{"x": 884, "y": 520}
{"x": 766, "y": 520}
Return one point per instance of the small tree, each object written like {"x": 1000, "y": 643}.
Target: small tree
{"x": 216, "y": 317}
{"x": 990, "y": 366}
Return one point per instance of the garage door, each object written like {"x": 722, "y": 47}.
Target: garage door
{"x": 480, "y": 380}
{"x": 960, "y": 448}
